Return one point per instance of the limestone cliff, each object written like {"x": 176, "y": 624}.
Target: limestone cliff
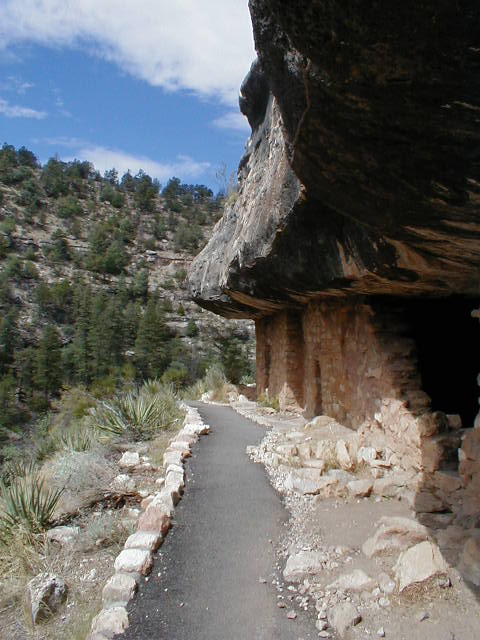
{"x": 362, "y": 171}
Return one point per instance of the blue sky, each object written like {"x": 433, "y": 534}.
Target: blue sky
{"x": 150, "y": 84}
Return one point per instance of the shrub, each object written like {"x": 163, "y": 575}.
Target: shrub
{"x": 112, "y": 195}
{"x": 137, "y": 414}
{"x": 266, "y": 401}
{"x": 25, "y": 502}
{"x": 192, "y": 329}
{"x": 83, "y": 476}
{"x": 69, "y": 207}
{"x": 30, "y": 271}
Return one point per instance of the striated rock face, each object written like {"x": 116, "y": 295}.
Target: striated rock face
{"x": 362, "y": 171}
{"x": 353, "y": 240}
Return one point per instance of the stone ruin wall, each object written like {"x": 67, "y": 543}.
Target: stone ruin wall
{"x": 354, "y": 362}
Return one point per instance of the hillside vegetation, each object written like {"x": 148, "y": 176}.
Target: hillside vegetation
{"x": 91, "y": 286}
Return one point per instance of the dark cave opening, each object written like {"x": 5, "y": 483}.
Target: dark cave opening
{"x": 447, "y": 341}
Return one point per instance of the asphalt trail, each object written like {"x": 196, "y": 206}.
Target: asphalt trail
{"x": 218, "y": 549}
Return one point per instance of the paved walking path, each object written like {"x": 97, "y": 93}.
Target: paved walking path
{"x": 218, "y": 548}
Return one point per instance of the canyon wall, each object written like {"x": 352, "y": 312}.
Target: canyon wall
{"x": 353, "y": 237}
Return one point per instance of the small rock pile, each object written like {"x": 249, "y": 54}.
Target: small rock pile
{"x": 324, "y": 462}
{"x": 136, "y": 559}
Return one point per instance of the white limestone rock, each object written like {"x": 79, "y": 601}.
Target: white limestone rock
{"x": 110, "y": 622}
{"x": 360, "y": 488}
{"x": 129, "y": 460}
{"x": 356, "y": 580}
{"x": 394, "y": 534}
{"x": 63, "y": 535}
{"x": 418, "y": 564}
{"x": 343, "y": 616}
{"x": 343, "y": 456}
{"x": 134, "y": 561}
{"x": 120, "y": 588}
{"x": 303, "y": 564}
{"x": 366, "y": 454}
{"x": 45, "y": 593}
{"x": 308, "y": 481}
{"x": 144, "y": 540}
{"x": 123, "y": 482}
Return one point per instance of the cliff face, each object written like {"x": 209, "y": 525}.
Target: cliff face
{"x": 362, "y": 171}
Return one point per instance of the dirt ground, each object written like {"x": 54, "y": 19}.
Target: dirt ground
{"x": 85, "y": 565}
{"x": 440, "y": 609}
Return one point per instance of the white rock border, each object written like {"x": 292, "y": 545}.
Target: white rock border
{"x": 136, "y": 559}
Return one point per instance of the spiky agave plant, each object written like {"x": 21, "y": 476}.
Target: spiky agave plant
{"x": 25, "y": 501}
{"x": 76, "y": 440}
{"x": 137, "y": 414}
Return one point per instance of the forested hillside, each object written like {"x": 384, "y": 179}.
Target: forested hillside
{"x": 91, "y": 284}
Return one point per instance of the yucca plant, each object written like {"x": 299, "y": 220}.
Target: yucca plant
{"x": 78, "y": 440}
{"x": 25, "y": 501}
{"x": 137, "y": 414}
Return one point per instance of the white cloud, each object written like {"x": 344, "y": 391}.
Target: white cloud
{"x": 12, "y": 83}
{"x": 205, "y": 47}
{"x": 102, "y": 158}
{"x": 232, "y": 120}
{"x": 16, "y": 111}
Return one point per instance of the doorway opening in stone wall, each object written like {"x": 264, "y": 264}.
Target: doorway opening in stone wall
{"x": 317, "y": 389}
{"x": 447, "y": 342}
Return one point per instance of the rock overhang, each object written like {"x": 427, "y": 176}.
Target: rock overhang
{"x": 361, "y": 175}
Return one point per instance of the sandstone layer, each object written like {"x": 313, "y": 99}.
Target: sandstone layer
{"x": 353, "y": 238}
{"x": 362, "y": 171}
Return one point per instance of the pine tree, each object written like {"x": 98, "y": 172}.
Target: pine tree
{"x": 96, "y": 335}
{"x": 151, "y": 353}
{"x": 81, "y": 347}
{"x": 48, "y": 362}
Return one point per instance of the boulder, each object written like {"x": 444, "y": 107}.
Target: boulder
{"x": 144, "y": 540}
{"x": 357, "y": 580}
{"x": 123, "y": 482}
{"x": 343, "y": 616}
{"x": 129, "y": 460}
{"x": 308, "y": 481}
{"x": 366, "y": 454}
{"x": 389, "y": 486}
{"x": 46, "y": 592}
{"x": 120, "y": 588}
{"x": 394, "y": 534}
{"x": 360, "y": 488}
{"x": 171, "y": 456}
{"x": 343, "y": 456}
{"x": 418, "y": 564}
{"x": 63, "y": 535}
{"x": 134, "y": 561}
{"x": 110, "y": 622}
{"x": 303, "y": 564}
{"x": 155, "y": 519}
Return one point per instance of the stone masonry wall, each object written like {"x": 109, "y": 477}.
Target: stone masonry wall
{"x": 353, "y": 362}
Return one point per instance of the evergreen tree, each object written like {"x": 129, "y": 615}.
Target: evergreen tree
{"x": 81, "y": 347}
{"x": 96, "y": 335}
{"x": 151, "y": 353}
{"x": 48, "y": 362}
{"x": 8, "y": 340}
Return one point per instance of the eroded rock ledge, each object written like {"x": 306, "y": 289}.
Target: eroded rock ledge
{"x": 353, "y": 240}
{"x": 362, "y": 171}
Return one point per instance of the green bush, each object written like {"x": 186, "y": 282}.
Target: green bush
{"x": 192, "y": 329}
{"x": 112, "y": 195}
{"x": 30, "y": 271}
{"x": 69, "y": 207}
